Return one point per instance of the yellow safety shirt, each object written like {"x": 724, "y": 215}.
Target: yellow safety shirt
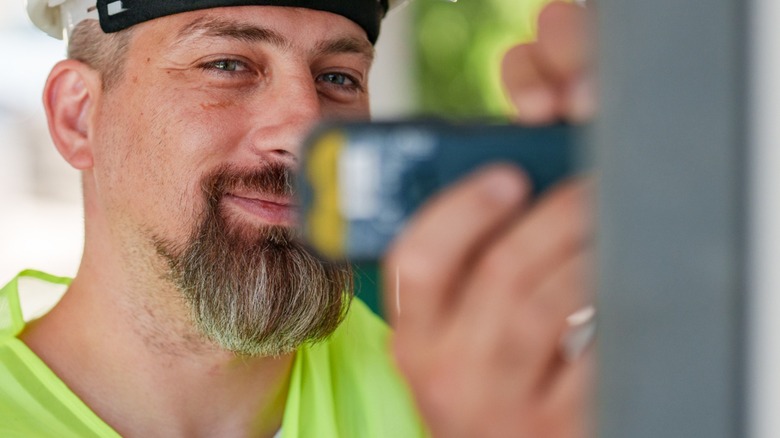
{"x": 346, "y": 386}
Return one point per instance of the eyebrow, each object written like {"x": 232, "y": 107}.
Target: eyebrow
{"x": 221, "y": 28}
{"x": 346, "y": 45}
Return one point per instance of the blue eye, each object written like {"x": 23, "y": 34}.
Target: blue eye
{"x": 338, "y": 79}
{"x": 226, "y": 65}
{"x": 340, "y": 84}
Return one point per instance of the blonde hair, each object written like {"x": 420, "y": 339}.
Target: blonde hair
{"x": 104, "y": 52}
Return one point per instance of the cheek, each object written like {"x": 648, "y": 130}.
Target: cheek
{"x": 149, "y": 163}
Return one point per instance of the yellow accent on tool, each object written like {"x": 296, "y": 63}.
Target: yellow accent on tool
{"x": 326, "y": 227}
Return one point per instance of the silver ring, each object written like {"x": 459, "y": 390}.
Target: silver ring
{"x": 579, "y": 335}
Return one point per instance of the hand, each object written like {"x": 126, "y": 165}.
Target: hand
{"x": 480, "y": 284}
{"x": 479, "y": 289}
{"x": 550, "y": 79}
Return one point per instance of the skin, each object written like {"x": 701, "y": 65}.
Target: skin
{"x": 485, "y": 277}
{"x": 483, "y": 280}
{"x": 189, "y": 102}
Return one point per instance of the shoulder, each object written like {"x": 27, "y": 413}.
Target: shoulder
{"x": 368, "y": 392}
{"x": 34, "y": 402}
{"x": 28, "y": 406}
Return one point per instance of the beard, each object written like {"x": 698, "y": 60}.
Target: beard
{"x": 255, "y": 291}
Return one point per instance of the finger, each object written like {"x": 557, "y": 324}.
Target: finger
{"x": 569, "y": 401}
{"x": 426, "y": 262}
{"x": 532, "y": 91}
{"x": 579, "y": 99}
{"x": 554, "y": 229}
{"x": 517, "y": 342}
{"x": 564, "y": 51}
{"x": 563, "y": 41}
{"x": 528, "y": 342}
{"x": 548, "y": 80}
{"x": 532, "y": 278}
{"x": 563, "y": 293}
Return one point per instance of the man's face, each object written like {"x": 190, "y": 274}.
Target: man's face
{"x": 196, "y": 141}
{"x": 236, "y": 86}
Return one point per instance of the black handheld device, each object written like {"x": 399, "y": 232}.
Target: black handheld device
{"x": 360, "y": 182}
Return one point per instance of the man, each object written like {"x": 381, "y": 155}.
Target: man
{"x": 196, "y": 312}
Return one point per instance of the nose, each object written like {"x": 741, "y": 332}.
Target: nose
{"x": 283, "y": 115}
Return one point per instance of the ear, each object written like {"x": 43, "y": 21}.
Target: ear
{"x": 69, "y": 98}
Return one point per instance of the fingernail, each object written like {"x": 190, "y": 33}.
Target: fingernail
{"x": 503, "y": 184}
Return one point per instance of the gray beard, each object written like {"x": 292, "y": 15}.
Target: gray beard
{"x": 255, "y": 291}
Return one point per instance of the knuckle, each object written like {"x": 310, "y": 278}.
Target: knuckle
{"x": 409, "y": 258}
{"x": 568, "y": 210}
{"x": 415, "y": 266}
{"x": 519, "y": 66}
{"x": 566, "y": 201}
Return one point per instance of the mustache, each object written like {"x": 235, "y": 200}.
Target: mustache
{"x": 272, "y": 178}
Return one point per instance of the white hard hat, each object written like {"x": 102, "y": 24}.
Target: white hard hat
{"x": 58, "y": 17}
{"x": 392, "y": 4}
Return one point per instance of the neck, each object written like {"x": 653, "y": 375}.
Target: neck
{"x": 121, "y": 340}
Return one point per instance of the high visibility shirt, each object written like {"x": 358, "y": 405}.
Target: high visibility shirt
{"x": 346, "y": 386}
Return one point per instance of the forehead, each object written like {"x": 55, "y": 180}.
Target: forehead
{"x": 287, "y": 27}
